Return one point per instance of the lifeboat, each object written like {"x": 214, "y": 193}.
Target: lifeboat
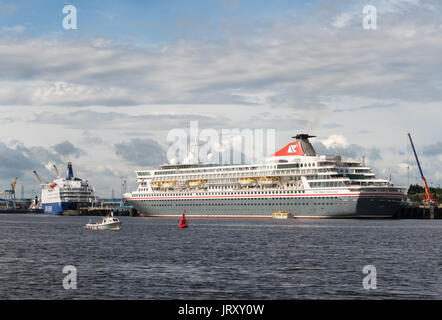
{"x": 52, "y": 185}
{"x": 156, "y": 185}
{"x": 196, "y": 183}
{"x": 169, "y": 184}
{"x": 247, "y": 181}
{"x": 267, "y": 180}
{"x": 181, "y": 183}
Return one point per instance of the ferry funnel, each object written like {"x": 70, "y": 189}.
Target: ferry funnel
{"x": 301, "y": 147}
{"x": 70, "y": 173}
{"x": 303, "y": 140}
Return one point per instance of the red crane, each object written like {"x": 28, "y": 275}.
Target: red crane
{"x": 428, "y": 197}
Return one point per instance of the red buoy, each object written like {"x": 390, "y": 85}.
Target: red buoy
{"x": 183, "y": 221}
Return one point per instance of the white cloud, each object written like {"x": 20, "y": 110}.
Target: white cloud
{"x": 292, "y": 65}
{"x": 335, "y": 141}
{"x": 15, "y": 29}
{"x": 290, "y": 76}
{"x": 407, "y": 31}
{"x": 342, "y": 19}
{"x": 64, "y": 93}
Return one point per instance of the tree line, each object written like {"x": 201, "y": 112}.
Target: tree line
{"x": 416, "y": 193}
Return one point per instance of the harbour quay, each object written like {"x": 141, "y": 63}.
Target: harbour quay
{"x": 419, "y": 211}
{"x": 103, "y": 208}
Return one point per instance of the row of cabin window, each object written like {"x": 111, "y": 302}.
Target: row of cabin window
{"x": 224, "y": 193}
{"x": 258, "y": 199}
{"x": 247, "y": 204}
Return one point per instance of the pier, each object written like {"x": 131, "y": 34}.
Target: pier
{"x": 122, "y": 208}
{"x": 103, "y": 208}
{"x": 17, "y": 206}
{"x": 422, "y": 211}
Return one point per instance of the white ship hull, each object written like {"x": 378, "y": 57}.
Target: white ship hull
{"x": 262, "y": 206}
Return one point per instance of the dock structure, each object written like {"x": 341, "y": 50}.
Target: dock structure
{"x": 105, "y": 207}
{"x": 421, "y": 211}
{"x": 19, "y": 206}
{"x": 122, "y": 208}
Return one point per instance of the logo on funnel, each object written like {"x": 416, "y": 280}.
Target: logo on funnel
{"x": 292, "y": 149}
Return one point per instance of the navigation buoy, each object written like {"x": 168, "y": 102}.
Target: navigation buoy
{"x": 183, "y": 221}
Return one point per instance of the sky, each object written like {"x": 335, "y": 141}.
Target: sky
{"x": 107, "y": 94}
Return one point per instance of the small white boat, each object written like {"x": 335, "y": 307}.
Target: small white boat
{"x": 106, "y": 223}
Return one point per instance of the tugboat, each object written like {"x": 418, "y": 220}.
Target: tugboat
{"x": 183, "y": 221}
{"x": 35, "y": 206}
{"x": 107, "y": 223}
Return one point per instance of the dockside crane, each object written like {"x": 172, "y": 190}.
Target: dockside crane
{"x": 39, "y": 178}
{"x": 428, "y": 197}
{"x": 56, "y": 170}
{"x": 10, "y": 194}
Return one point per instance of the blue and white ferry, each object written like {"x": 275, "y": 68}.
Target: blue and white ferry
{"x": 65, "y": 193}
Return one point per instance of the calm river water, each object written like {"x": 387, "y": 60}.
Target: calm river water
{"x": 219, "y": 258}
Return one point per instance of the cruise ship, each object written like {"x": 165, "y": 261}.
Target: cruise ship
{"x": 65, "y": 193}
{"x": 295, "y": 179}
